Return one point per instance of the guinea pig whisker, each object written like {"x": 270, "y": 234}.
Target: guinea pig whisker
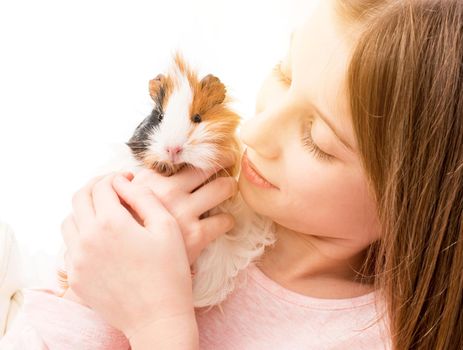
{"x": 215, "y": 162}
{"x": 196, "y": 169}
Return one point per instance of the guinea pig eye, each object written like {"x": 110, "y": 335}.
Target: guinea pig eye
{"x": 197, "y": 118}
{"x": 157, "y": 114}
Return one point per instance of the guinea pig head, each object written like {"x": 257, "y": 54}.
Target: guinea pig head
{"x": 190, "y": 123}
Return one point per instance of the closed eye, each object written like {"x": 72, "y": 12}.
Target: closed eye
{"x": 310, "y": 144}
{"x": 307, "y": 137}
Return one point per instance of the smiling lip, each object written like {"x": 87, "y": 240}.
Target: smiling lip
{"x": 253, "y": 175}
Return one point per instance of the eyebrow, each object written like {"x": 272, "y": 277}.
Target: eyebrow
{"x": 323, "y": 116}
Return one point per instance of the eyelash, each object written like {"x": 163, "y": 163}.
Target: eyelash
{"x": 317, "y": 152}
{"x": 307, "y": 138}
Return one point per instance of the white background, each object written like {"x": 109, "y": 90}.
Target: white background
{"x": 74, "y": 81}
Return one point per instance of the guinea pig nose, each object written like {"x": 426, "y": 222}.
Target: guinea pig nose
{"x": 174, "y": 150}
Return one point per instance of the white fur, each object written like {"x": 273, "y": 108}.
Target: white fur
{"x": 220, "y": 262}
{"x": 176, "y": 122}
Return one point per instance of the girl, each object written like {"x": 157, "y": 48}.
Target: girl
{"x": 356, "y": 154}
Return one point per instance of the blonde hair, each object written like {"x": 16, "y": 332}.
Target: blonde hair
{"x": 405, "y": 84}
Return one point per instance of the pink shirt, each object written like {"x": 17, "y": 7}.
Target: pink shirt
{"x": 259, "y": 314}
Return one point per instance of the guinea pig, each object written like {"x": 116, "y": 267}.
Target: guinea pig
{"x": 191, "y": 124}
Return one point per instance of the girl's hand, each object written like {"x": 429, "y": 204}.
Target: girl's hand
{"x": 134, "y": 275}
{"x": 176, "y": 194}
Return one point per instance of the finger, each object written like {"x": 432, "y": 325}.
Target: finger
{"x": 158, "y": 183}
{"x": 69, "y": 232}
{"x": 189, "y": 178}
{"x": 131, "y": 211}
{"x": 214, "y": 226}
{"x": 186, "y": 180}
{"x": 105, "y": 199}
{"x": 143, "y": 202}
{"x": 212, "y": 194}
{"x": 145, "y": 177}
{"x": 82, "y": 203}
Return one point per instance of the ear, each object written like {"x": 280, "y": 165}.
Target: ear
{"x": 156, "y": 87}
{"x": 213, "y": 88}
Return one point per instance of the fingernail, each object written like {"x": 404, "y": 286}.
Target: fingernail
{"x": 128, "y": 174}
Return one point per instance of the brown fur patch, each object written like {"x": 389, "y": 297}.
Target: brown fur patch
{"x": 185, "y": 69}
{"x": 160, "y": 89}
{"x": 209, "y": 92}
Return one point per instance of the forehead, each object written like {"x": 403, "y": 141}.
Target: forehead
{"x": 319, "y": 58}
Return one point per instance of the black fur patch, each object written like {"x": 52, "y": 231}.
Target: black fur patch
{"x": 140, "y": 140}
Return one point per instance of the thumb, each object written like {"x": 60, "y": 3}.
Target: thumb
{"x": 144, "y": 203}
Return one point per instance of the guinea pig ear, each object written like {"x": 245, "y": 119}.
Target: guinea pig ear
{"x": 156, "y": 87}
{"x": 213, "y": 88}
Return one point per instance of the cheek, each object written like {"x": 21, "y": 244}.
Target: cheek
{"x": 327, "y": 200}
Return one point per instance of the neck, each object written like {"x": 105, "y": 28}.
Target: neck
{"x": 315, "y": 266}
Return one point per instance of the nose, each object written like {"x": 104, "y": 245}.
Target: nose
{"x": 267, "y": 131}
{"x": 173, "y": 151}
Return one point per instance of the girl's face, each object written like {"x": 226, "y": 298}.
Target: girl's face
{"x": 302, "y": 141}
